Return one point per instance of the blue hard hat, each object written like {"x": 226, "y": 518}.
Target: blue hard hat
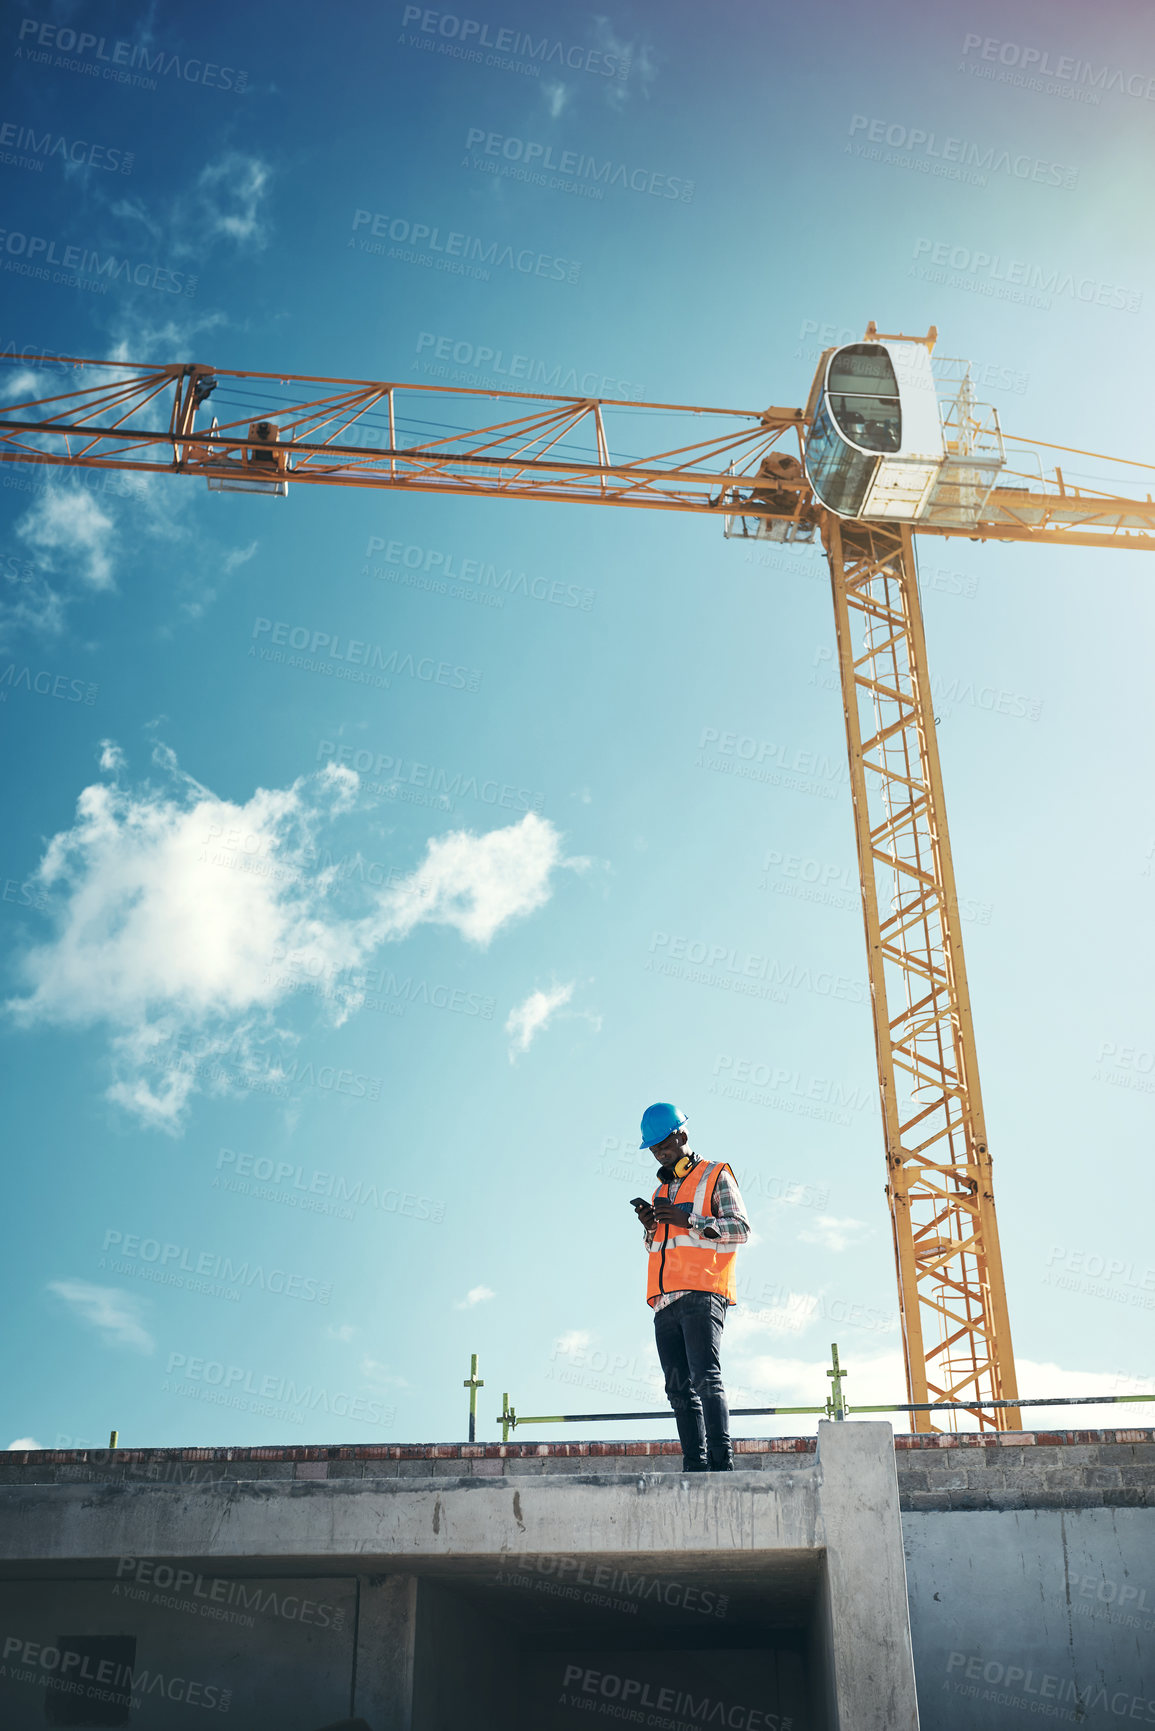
{"x": 658, "y": 1120}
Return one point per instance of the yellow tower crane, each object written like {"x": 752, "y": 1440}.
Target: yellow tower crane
{"x": 881, "y": 452}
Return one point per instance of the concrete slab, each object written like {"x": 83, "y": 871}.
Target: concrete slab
{"x": 807, "y": 1558}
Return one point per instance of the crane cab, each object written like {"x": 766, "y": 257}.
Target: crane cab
{"x": 881, "y": 447}
{"x": 875, "y": 442}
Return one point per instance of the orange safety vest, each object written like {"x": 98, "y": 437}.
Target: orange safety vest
{"x": 687, "y": 1261}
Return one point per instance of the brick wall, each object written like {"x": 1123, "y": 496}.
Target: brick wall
{"x": 959, "y": 1471}
{"x": 1080, "y": 1469}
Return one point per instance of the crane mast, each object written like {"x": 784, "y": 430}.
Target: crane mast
{"x": 952, "y": 1296}
{"x": 750, "y": 468}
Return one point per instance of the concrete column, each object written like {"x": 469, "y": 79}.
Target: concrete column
{"x": 868, "y": 1661}
{"x": 386, "y": 1649}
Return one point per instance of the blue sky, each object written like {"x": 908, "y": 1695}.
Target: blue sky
{"x": 205, "y": 846}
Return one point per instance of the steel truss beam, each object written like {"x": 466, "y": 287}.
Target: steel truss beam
{"x": 424, "y": 438}
{"x": 503, "y": 444}
{"x": 956, "y": 1331}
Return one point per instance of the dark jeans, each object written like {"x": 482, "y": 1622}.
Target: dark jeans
{"x": 688, "y": 1335}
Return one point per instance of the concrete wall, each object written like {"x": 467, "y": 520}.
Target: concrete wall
{"x": 534, "y": 1585}
{"x": 563, "y": 1689}
{"x": 1031, "y": 1574}
{"x": 259, "y": 1650}
{"x": 806, "y": 1559}
{"x": 1032, "y": 1612}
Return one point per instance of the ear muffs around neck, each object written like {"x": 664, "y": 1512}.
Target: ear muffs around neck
{"x": 684, "y": 1164}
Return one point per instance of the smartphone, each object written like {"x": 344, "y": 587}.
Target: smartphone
{"x": 638, "y": 1202}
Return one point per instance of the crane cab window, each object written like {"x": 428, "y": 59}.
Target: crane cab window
{"x": 862, "y": 369}
{"x": 839, "y": 474}
{"x": 862, "y": 391}
{"x": 872, "y": 422}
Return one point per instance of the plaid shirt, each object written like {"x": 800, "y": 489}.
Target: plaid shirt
{"x": 727, "y": 1222}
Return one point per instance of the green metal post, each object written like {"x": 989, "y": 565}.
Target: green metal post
{"x": 836, "y": 1406}
{"x": 473, "y": 1382}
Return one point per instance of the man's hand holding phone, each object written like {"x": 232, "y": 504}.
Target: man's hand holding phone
{"x": 673, "y": 1213}
{"x": 644, "y": 1211}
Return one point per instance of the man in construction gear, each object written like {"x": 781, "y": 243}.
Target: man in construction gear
{"x": 694, "y": 1225}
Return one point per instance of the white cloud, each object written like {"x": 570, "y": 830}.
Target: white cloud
{"x": 111, "y": 756}
{"x": 556, "y": 97}
{"x": 640, "y": 70}
{"x": 1041, "y": 1378}
{"x": 575, "y": 1341}
{"x": 528, "y": 1019}
{"x": 67, "y": 526}
{"x": 115, "y": 1315}
{"x": 793, "y": 1316}
{"x": 25, "y": 1442}
{"x": 135, "y": 210}
{"x": 879, "y": 1378}
{"x": 28, "y": 602}
{"x": 137, "y": 335}
{"x": 645, "y": 69}
{"x": 380, "y": 1375}
{"x": 23, "y": 387}
{"x": 226, "y": 201}
{"x": 165, "y": 926}
{"x": 870, "y": 1379}
{"x": 158, "y": 1102}
{"x": 345, "y": 1331}
{"x": 475, "y": 1295}
{"x": 149, "y": 922}
{"x": 231, "y": 195}
{"x": 477, "y": 883}
{"x": 834, "y": 1234}
{"x": 240, "y": 556}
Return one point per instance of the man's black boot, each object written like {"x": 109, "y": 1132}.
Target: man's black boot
{"x": 693, "y": 1440}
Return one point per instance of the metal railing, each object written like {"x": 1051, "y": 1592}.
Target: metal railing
{"x": 835, "y": 1406}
